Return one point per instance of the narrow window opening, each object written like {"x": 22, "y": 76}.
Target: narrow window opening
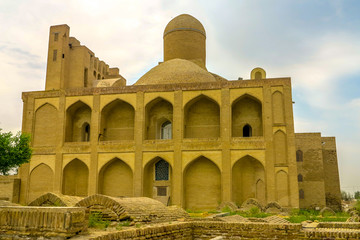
{"x": 299, "y": 156}
{"x": 166, "y": 130}
{"x": 247, "y": 131}
{"x": 98, "y": 77}
{"x": 56, "y": 37}
{"x": 86, "y": 132}
{"x": 300, "y": 178}
{"x": 54, "y": 55}
{"x": 85, "y": 77}
{"x": 301, "y": 194}
{"x": 162, "y": 170}
{"x": 63, "y": 55}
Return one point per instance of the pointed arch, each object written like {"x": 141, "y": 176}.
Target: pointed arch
{"x": 280, "y": 146}
{"x": 278, "y": 107}
{"x": 116, "y": 179}
{"x": 41, "y": 181}
{"x": 46, "y": 121}
{"x": 202, "y": 118}
{"x": 246, "y": 174}
{"x": 282, "y": 188}
{"x": 75, "y": 178}
{"x": 157, "y": 184}
{"x": 157, "y": 112}
{"x": 117, "y": 121}
{"x": 202, "y": 185}
{"x": 246, "y": 110}
{"x": 77, "y": 115}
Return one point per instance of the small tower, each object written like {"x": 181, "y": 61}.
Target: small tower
{"x": 57, "y": 52}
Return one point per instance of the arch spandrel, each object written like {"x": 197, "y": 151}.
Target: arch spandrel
{"x": 70, "y": 101}
{"x": 128, "y": 98}
{"x": 259, "y": 155}
{"x": 104, "y": 106}
{"x": 48, "y": 160}
{"x": 256, "y": 93}
{"x": 67, "y": 158}
{"x": 37, "y": 107}
{"x": 193, "y": 96}
{"x": 105, "y": 158}
{"x": 149, "y": 157}
{"x": 188, "y": 158}
{"x": 248, "y": 156}
{"x": 167, "y": 96}
{"x": 39, "y": 102}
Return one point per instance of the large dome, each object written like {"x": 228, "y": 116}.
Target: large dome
{"x": 184, "y": 22}
{"x": 176, "y": 71}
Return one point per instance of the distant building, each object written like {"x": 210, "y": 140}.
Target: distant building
{"x": 180, "y": 134}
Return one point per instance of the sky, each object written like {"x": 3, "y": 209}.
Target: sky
{"x": 315, "y": 42}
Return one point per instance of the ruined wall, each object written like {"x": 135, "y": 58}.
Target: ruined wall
{"x": 10, "y": 188}
{"x": 311, "y": 168}
{"x": 331, "y": 173}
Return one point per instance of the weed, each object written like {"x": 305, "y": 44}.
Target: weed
{"x": 96, "y": 221}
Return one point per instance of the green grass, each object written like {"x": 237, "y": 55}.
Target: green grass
{"x": 299, "y": 215}
{"x": 96, "y": 221}
{"x": 254, "y": 212}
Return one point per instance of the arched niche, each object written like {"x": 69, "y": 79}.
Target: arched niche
{"x": 278, "y": 107}
{"x": 75, "y": 178}
{"x": 41, "y": 181}
{"x": 158, "y": 180}
{"x": 280, "y": 146}
{"x": 78, "y": 120}
{"x": 247, "y": 111}
{"x": 157, "y": 113}
{"x": 116, "y": 179}
{"x": 248, "y": 180}
{"x": 117, "y": 121}
{"x": 202, "y": 185}
{"x": 282, "y": 188}
{"x": 202, "y": 118}
{"x": 46, "y": 121}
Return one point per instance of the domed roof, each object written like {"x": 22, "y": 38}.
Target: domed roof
{"x": 176, "y": 71}
{"x": 184, "y": 22}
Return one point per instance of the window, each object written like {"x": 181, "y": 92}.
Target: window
{"x": 56, "y": 37}
{"x": 301, "y": 194}
{"x": 299, "y": 156}
{"x": 166, "y": 130}
{"x": 99, "y": 77}
{"x": 86, "y": 132}
{"x": 85, "y": 77}
{"x": 247, "y": 131}
{"x": 300, "y": 178}
{"x": 94, "y": 73}
{"x": 54, "y": 55}
{"x": 162, "y": 170}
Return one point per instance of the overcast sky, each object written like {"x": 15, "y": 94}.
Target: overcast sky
{"x": 315, "y": 42}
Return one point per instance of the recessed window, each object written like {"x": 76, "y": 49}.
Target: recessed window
{"x": 56, "y": 37}
{"x": 86, "y": 132}
{"x": 299, "y": 156}
{"x": 166, "y": 128}
{"x": 301, "y": 194}
{"x": 247, "y": 131}
{"x": 162, "y": 170}
{"x": 300, "y": 178}
{"x": 54, "y": 55}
